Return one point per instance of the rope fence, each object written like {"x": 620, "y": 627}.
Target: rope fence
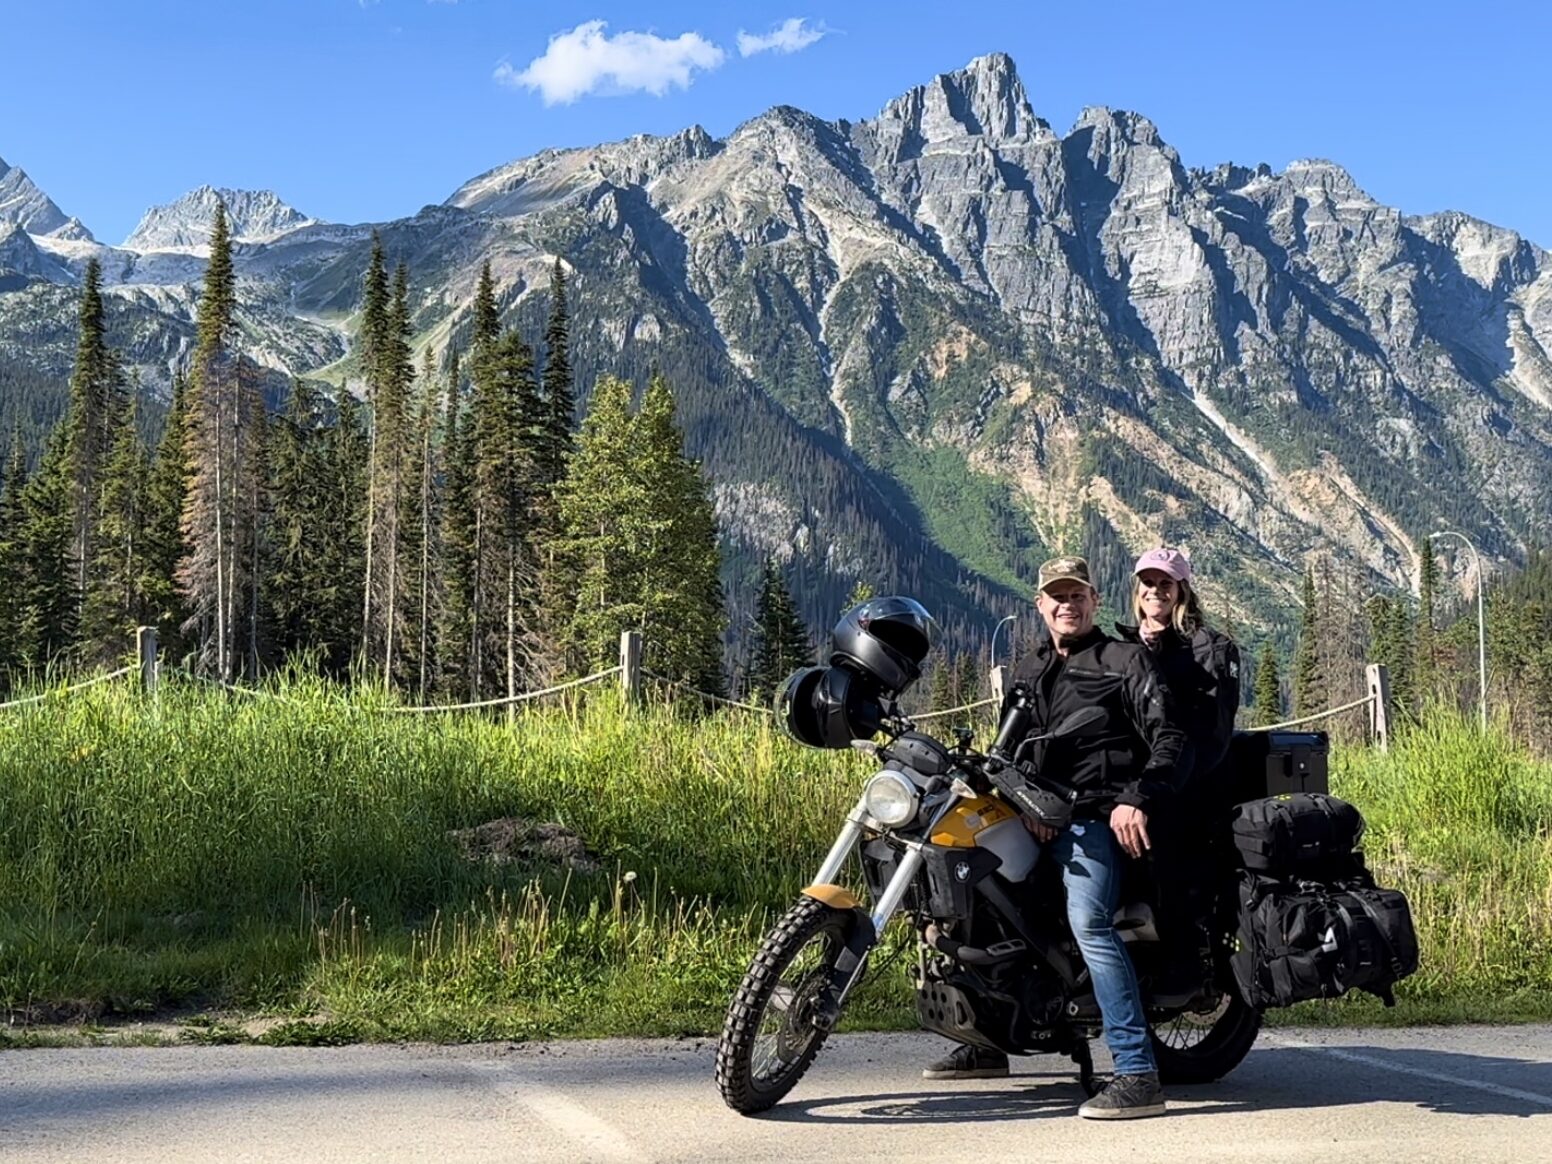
{"x": 706, "y": 695}
{"x": 952, "y": 710}
{"x": 506, "y": 699}
{"x": 223, "y": 684}
{"x": 1327, "y": 714}
{"x": 631, "y": 673}
{"x": 119, "y": 674}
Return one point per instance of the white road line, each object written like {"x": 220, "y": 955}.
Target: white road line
{"x": 1402, "y": 1069}
{"x": 595, "y": 1139}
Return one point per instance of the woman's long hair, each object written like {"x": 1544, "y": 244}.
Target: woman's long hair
{"x": 1187, "y": 615}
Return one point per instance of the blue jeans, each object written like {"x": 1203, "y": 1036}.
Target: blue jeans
{"x": 1090, "y": 860}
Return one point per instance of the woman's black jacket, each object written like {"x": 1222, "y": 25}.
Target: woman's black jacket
{"x": 1202, "y": 671}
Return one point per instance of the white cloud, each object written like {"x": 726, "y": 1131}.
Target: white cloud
{"x": 789, "y": 36}
{"x": 586, "y": 60}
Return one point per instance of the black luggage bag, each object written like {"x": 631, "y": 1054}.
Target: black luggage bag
{"x": 1305, "y": 836}
{"x": 1301, "y": 941}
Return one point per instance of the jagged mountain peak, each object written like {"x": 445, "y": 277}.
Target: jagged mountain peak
{"x": 1124, "y": 125}
{"x": 984, "y": 99}
{"x": 1324, "y": 176}
{"x": 252, "y": 215}
{"x": 23, "y": 203}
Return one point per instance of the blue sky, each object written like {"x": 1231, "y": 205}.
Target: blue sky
{"x": 366, "y": 110}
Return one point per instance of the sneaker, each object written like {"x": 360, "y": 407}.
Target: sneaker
{"x": 1127, "y": 1097}
{"x": 967, "y": 1062}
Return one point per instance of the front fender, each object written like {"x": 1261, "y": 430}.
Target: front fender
{"x": 834, "y": 896}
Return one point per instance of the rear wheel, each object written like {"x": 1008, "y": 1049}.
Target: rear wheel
{"x": 769, "y": 1038}
{"x": 1199, "y": 1048}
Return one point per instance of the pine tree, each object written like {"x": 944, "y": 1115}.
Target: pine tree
{"x": 162, "y": 539}
{"x": 298, "y": 485}
{"x": 221, "y": 508}
{"x": 13, "y": 562}
{"x": 505, "y": 415}
{"x": 1308, "y": 683}
{"x": 385, "y": 343}
{"x": 342, "y": 538}
{"x": 116, "y": 603}
{"x": 487, "y": 315}
{"x": 455, "y": 629}
{"x": 95, "y": 413}
{"x": 1390, "y": 641}
{"x": 781, "y": 641}
{"x": 1269, "y": 696}
{"x": 601, "y": 549}
{"x": 558, "y": 392}
{"x": 683, "y": 606}
{"x": 940, "y": 690}
{"x": 51, "y": 603}
{"x": 487, "y": 421}
{"x": 423, "y": 539}
{"x": 965, "y": 681}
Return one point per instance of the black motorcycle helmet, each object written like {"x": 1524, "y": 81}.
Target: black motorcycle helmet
{"x": 884, "y": 640}
{"x": 828, "y": 707}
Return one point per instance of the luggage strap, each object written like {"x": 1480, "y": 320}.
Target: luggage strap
{"x": 1379, "y": 928}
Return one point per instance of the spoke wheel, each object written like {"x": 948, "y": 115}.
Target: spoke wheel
{"x": 1199, "y": 1048}
{"x": 769, "y": 1038}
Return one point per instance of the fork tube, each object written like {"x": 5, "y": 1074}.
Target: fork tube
{"x": 842, "y": 848}
{"x": 889, "y": 900}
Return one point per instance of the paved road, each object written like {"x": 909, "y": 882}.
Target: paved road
{"x": 1362, "y": 1095}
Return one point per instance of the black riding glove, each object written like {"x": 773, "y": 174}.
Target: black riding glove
{"x": 1040, "y": 804}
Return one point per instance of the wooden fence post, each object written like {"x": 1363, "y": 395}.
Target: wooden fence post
{"x": 630, "y": 664}
{"x": 1379, "y": 706}
{"x": 145, "y": 641}
{"x": 998, "y": 678}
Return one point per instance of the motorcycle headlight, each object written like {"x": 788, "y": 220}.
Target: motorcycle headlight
{"x": 890, "y": 799}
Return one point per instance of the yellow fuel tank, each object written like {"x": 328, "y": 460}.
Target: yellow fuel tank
{"x": 987, "y": 823}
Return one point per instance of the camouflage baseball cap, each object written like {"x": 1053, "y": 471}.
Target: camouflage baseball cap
{"x": 1065, "y": 570}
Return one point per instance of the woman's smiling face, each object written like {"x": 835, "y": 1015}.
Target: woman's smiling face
{"x": 1158, "y": 596}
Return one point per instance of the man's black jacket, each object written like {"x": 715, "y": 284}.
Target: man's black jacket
{"x": 1132, "y": 755}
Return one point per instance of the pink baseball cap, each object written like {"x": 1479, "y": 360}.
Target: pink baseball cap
{"x": 1171, "y": 562}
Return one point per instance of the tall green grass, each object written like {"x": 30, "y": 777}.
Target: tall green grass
{"x": 291, "y": 855}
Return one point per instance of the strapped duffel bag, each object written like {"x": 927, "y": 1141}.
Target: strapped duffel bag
{"x": 1303, "y": 941}
{"x": 1300, "y": 836}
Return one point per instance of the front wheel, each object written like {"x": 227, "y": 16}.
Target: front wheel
{"x": 769, "y": 1037}
{"x": 1201, "y": 1048}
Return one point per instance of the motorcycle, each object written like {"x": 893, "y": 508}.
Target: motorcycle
{"x": 996, "y": 964}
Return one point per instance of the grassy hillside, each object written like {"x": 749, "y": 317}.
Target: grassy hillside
{"x": 292, "y": 856}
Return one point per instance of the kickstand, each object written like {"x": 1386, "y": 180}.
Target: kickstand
{"x": 1084, "y": 1058}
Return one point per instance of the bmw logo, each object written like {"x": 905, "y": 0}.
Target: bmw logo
{"x": 962, "y": 871}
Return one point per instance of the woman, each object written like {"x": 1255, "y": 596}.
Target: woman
{"x": 1200, "y": 665}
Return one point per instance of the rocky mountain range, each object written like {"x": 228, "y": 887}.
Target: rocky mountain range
{"x": 925, "y": 348}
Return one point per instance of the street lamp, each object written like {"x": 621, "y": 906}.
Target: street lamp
{"x": 994, "y": 672}
{"x": 995, "y": 629}
{"x": 1481, "y": 622}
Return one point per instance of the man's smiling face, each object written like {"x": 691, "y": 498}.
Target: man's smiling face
{"x": 1068, "y": 607}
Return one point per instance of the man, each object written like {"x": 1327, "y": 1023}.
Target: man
{"x": 1123, "y": 767}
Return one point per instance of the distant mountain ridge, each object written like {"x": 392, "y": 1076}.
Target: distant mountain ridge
{"x": 252, "y": 216}
{"x": 923, "y": 349}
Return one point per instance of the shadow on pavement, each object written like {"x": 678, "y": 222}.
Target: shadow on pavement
{"x": 1272, "y": 1079}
